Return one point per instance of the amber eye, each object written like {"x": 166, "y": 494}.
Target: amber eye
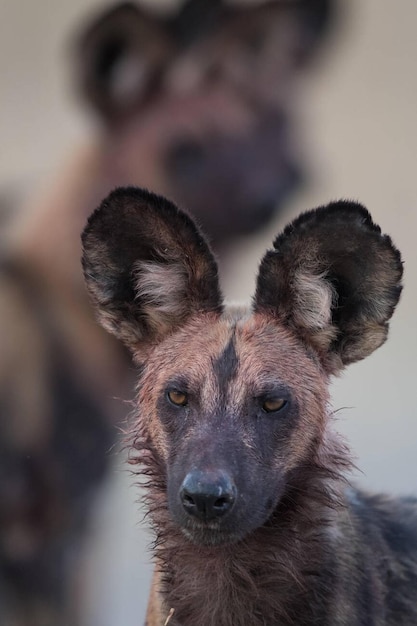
{"x": 273, "y": 405}
{"x": 178, "y": 398}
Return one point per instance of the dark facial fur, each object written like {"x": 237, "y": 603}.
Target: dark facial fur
{"x": 245, "y": 489}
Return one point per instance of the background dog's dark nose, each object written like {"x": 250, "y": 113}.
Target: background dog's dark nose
{"x": 207, "y": 495}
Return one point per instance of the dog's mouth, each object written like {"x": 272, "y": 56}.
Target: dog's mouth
{"x": 219, "y": 532}
{"x": 209, "y": 534}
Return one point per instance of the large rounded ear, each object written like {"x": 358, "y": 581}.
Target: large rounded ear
{"x": 147, "y": 267}
{"x": 316, "y": 19}
{"x": 255, "y": 46}
{"x": 120, "y": 57}
{"x": 335, "y": 280}
{"x": 196, "y": 19}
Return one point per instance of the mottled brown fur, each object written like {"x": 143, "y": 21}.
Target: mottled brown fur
{"x": 284, "y": 540}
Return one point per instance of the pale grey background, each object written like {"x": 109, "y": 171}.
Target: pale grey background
{"x": 360, "y": 122}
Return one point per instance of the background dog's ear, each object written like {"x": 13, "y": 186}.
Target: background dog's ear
{"x": 335, "y": 280}
{"x": 147, "y": 267}
{"x": 316, "y": 19}
{"x": 120, "y": 57}
{"x": 196, "y": 19}
{"x": 259, "y": 46}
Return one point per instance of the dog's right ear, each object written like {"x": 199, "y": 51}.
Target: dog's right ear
{"x": 119, "y": 58}
{"x": 335, "y": 280}
{"x": 147, "y": 267}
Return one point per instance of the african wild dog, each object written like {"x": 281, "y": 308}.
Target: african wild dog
{"x": 254, "y": 520}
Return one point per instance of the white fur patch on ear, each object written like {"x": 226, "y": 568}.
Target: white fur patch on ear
{"x": 128, "y": 79}
{"x": 162, "y": 289}
{"x": 314, "y": 297}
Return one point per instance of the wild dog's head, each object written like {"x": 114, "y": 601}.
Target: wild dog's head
{"x": 193, "y": 100}
{"x": 232, "y": 402}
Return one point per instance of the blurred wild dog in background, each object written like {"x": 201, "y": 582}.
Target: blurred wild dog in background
{"x": 198, "y": 105}
{"x": 245, "y": 479}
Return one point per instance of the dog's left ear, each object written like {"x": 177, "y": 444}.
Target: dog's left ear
{"x": 119, "y": 58}
{"x": 147, "y": 267}
{"x": 335, "y": 280}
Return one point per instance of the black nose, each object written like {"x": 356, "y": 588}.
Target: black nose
{"x": 207, "y": 495}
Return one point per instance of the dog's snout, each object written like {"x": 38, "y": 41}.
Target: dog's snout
{"x": 207, "y": 495}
